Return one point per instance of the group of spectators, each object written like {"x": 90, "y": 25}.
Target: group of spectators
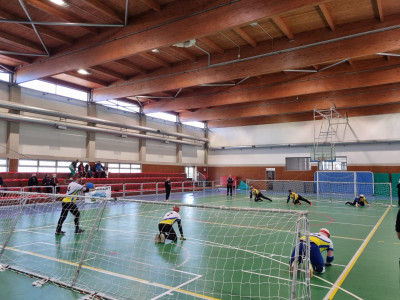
{"x": 51, "y": 184}
{"x": 88, "y": 171}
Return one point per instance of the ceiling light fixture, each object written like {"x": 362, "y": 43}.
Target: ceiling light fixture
{"x": 59, "y": 2}
{"x": 83, "y": 72}
{"x": 155, "y": 51}
{"x": 388, "y": 54}
{"x": 186, "y": 44}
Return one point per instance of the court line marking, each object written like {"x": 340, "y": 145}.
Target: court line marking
{"x": 332, "y": 292}
{"x": 120, "y": 275}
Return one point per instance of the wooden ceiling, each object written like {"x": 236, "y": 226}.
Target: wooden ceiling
{"x": 230, "y": 63}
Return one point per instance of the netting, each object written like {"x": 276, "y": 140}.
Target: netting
{"x": 378, "y": 193}
{"x": 230, "y": 253}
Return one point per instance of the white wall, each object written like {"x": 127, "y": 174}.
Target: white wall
{"x": 3, "y": 136}
{"x": 360, "y": 130}
{"x": 160, "y": 152}
{"x": 110, "y": 148}
{"x": 52, "y": 142}
{"x": 192, "y": 155}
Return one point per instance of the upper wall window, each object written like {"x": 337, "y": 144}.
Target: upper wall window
{"x": 163, "y": 116}
{"x": 195, "y": 124}
{"x": 298, "y": 164}
{"x": 5, "y": 77}
{"x": 56, "y": 89}
{"x": 340, "y": 164}
{"x": 3, "y": 165}
{"x": 120, "y": 105}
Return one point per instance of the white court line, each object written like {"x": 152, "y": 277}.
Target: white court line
{"x": 177, "y": 287}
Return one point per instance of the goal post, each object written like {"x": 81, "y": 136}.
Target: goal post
{"x": 230, "y": 252}
{"x": 328, "y": 191}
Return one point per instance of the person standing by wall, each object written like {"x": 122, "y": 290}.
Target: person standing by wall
{"x": 54, "y": 183}
{"x": 72, "y": 168}
{"x": 398, "y": 191}
{"x": 167, "y": 188}
{"x": 229, "y": 185}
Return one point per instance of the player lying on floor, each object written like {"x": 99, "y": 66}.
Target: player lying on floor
{"x": 165, "y": 228}
{"x": 360, "y": 200}
{"x": 257, "y": 195}
{"x": 296, "y": 198}
{"x": 319, "y": 242}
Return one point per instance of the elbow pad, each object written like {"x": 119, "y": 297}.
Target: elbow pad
{"x": 330, "y": 259}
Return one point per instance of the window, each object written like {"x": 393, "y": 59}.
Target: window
{"x": 163, "y": 116}
{"x": 195, "y": 124}
{"x": 3, "y": 165}
{"x": 56, "y": 89}
{"x": 298, "y": 164}
{"x": 340, "y": 164}
{"x": 124, "y": 168}
{"x": 120, "y": 105}
{"x": 189, "y": 172}
{"x": 5, "y": 77}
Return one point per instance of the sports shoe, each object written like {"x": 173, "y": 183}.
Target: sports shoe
{"x": 291, "y": 270}
{"x": 157, "y": 238}
{"x": 162, "y": 238}
{"x": 310, "y": 203}
{"x": 60, "y": 232}
{"x": 79, "y": 230}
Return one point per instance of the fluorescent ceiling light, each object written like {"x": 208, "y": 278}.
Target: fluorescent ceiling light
{"x": 388, "y": 54}
{"x": 155, "y": 50}
{"x": 59, "y": 2}
{"x": 83, "y": 72}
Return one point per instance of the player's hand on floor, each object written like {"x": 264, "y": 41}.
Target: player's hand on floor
{"x": 183, "y": 238}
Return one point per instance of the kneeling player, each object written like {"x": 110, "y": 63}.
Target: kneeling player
{"x": 319, "y": 242}
{"x": 166, "y": 230}
{"x": 296, "y": 198}
{"x": 360, "y": 200}
{"x": 257, "y": 195}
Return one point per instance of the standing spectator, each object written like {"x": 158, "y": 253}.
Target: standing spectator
{"x": 47, "y": 182}
{"x": 167, "y": 188}
{"x": 68, "y": 205}
{"x": 398, "y": 191}
{"x": 54, "y": 183}
{"x": 229, "y": 184}
{"x": 72, "y": 168}
{"x": 99, "y": 169}
{"x": 88, "y": 170}
{"x": 33, "y": 181}
{"x": 398, "y": 224}
{"x": 2, "y": 184}
{"x": 81, "y": 169}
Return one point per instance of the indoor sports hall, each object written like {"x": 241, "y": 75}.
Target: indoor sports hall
{"x": 208, "y": 149}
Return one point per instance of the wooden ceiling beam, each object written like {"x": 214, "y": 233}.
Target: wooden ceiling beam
{"x": 335, "y": 50}
{"x": 107, "y": 10}
{"x": 184, "y": 28}
{"x": 245, "y": 36}
{"x": 21, "y": 43}
{"x": 301, "y": 87}
{"x": 326, "y": 12}
{"x": 87, "y": 78}
{"x": 211, "y": 44}
{"x": 58, "y": 12}
{"x": 155, "y": 59}
{"x": 108, "y": 72}
{"x": 183, "y": 53}
{"x": 380, "y": 10}
{"x": 151, "y": 4}
{"x": 127, "y": 63}
{"x": 281, "y": 24}
{"x": 43, "y": 30}
{"x": 369, "y": 98}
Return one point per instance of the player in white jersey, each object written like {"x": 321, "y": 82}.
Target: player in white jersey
{"x": 68, "y": 205}
{"x": 319, "y": 242}
{"x": 166, "y": 230}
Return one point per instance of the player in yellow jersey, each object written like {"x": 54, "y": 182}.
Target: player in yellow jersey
{"x": 166, "y": 230}
{"x": 68, "y": 205}
{"x": 319, "y": 242}
{"x": 360, "y": 200}
{"x": 296, "y": 198}
{"x": 257, "y": 195}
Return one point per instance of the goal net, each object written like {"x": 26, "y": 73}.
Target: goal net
{"x": 375, "y": 193}
{"x": 230, "y": 253}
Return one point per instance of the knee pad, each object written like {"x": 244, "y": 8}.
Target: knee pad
{"x": 319, "y": 269}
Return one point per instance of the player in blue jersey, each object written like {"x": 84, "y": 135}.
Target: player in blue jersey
{"x": 166, "y": 230}
{"x": 360, "y": 200}
{"x": 319, "y": 242}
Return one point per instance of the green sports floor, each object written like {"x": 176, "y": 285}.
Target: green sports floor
{"x": 366, "y": 264}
